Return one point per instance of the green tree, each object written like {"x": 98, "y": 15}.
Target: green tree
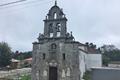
{"x": 22, "y": 55}
{"x": 105, "y": 60}
{"x": 110, "y": 53}
{"x": 5, "y": 54}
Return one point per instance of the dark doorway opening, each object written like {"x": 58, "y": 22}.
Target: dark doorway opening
{"x": 52, "y": 73}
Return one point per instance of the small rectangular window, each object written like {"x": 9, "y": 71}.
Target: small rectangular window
{"x": 43, "y": 56}
{"x": 63, "y": 56}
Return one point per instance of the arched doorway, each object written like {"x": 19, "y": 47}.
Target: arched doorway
{"x": 53, "y": 73}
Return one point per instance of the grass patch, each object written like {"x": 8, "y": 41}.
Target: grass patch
{"x": 87, "y": 75}
{"x": 25, "y": 77}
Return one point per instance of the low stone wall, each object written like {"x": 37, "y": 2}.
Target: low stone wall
{"x": 8, "y": 75}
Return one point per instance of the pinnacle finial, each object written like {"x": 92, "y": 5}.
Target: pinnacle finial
{"x": 55, "y": 2}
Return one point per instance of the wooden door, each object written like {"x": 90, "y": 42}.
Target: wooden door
{"x": 52, "y": 73}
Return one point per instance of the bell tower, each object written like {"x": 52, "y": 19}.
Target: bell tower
{"x": 55, "y": 23}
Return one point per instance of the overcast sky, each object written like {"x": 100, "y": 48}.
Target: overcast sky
{"x": 96, "y": 21}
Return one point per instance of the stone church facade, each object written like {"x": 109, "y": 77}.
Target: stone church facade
{"x": 56, "y": 55}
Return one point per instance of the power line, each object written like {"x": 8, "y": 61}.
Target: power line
{"x": 1, "y": 5}
{"x": 14, "y": 4}
{"x": 24, "y": 5}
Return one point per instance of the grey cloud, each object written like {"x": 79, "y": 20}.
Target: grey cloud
{"x": 90, "y": 20}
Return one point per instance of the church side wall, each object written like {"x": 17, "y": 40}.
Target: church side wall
{"x": 82, "y": 63}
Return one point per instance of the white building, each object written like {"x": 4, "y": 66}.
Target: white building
{"x": 88, "y": 59}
